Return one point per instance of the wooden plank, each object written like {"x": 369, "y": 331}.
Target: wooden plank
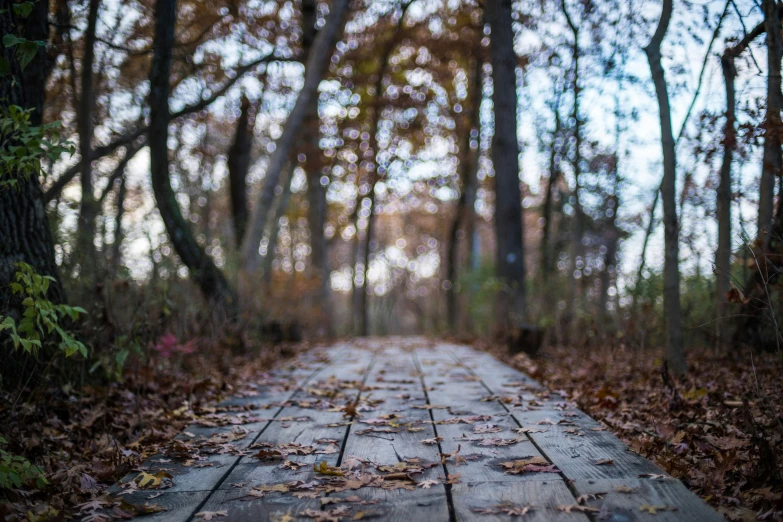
{"x": 544, "y": 496}
{"x": 233, "y": 494}
{"x": 205, "y": 475}
{"x": 451, "y": 385}
{"x": 253, "y": 471}
{"x": 620, "y": 505}
{"x": 394, "y": 381}
{"x": 576, "y": 443}
{"x": 176, "y": 505}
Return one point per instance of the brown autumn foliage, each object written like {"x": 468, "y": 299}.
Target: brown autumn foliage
{"x": 88, "y": 438}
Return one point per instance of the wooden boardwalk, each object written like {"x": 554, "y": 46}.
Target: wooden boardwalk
{"x": 404, "y": 429}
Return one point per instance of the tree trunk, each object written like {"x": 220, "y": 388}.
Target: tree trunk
{"x": 88, "y": 211}
{"x": 116, "y": 256}
{"x": 274, "y": 226}
{"x": 547, "y": 263}
{"x": 315, "y": 68}
{"x": 467, "y": 196}
{"x": 577, "y": 229}
{"x": 671, "y": 274}
{"x": 643, "y": 257}
{"x": 202, "y": 269}
{"x": 238, "y": 166}
{"x": 24, "y": 228}
{"x": 723, "y": 252}
{"x": 316, "y": 213}
{"x": 772, "y": 160}
{"x": 505, "y": 159}
{"x": 316, "y": 191}
{"x": 361, "y": 307}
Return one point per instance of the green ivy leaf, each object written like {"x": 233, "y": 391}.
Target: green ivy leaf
{"x": 23, "y": 9}
{"x": 11, "y": 40}
{"x": 25, "y": 53}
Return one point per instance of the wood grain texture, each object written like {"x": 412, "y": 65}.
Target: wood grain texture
{"x": 575, "y": 442}
{"x": 421, "y": 387}
{"x": 544, "y": 496}
{"x": 178, "y": 506}
{"x": 451, "y": 385}
{"x": 395, "y": 382}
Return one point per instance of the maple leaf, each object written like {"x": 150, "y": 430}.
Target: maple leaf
{"x": 500, "y": 442}
{"x": 517, "y": 511}
{"x": 529, "y": 430}
{"x": 290, "y": 464}
{"x": 306, "y": 494}
{"x": 653, "y": 510}
{"x": 329, "y": 450}
{"x": 261, "y": 490}
{"x": 427, "y": 484}
{"x": 324, "y": 469}
{"x": 578, "y": 508}
{"x": 147, "y": 481}
{"x": 209, "y": 515}
{"x": 433, "y": 440}
{"x": 377, "y": 430}
{"x": 653, "y": 476}
{"x": 581, "y": 499}
{"x": 454, "y": 479}
{"x": 524, "y": 462}
{"x": 92, "y": 505}
{"x": 268, "y": 455}
{"x": 487, "y": 428}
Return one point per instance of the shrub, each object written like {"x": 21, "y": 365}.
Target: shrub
{"x": 41, "y": 318}
{"x": 16, "y": 471}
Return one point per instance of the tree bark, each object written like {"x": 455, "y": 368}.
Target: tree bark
{"x": 116, "y": 252}
{"x": 671, "y": 274}
{"x": 315, "y": 68}
{"x": 238, "y": 167}
{"x": 210, "y": 279}
{"x": 643, "y": 257}
{"x": 505, "y": 159}
{"x": 467, "y": 196}
{"x": 772, "y": 160}
{"x": 316, "y": 191}
{"x": 547, "y": 263}
{"x": 274, "y": 226}
{"x": 362, "y": 310}
{"x": 723, "y": 252}
{"x": 577, "y": 228}
{"x": 24, "y": 228}
{"x": 88, "y": 210}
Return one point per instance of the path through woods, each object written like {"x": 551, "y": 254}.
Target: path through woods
{"x": 404, "y": 429}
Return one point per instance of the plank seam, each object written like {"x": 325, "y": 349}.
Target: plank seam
{"x": 447, "y": 487}
{"x": 298, "y": 389}
{"x": 566, "y": 480}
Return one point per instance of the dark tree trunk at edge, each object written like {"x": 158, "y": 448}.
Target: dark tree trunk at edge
{"x": 24, "y": 228}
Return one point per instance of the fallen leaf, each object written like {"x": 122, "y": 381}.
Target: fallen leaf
{"x": 578, "y": 508}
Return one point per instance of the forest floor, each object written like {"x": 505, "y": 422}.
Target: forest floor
{"x": 86, "y": 439}
{"x": 720, "y": 431}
